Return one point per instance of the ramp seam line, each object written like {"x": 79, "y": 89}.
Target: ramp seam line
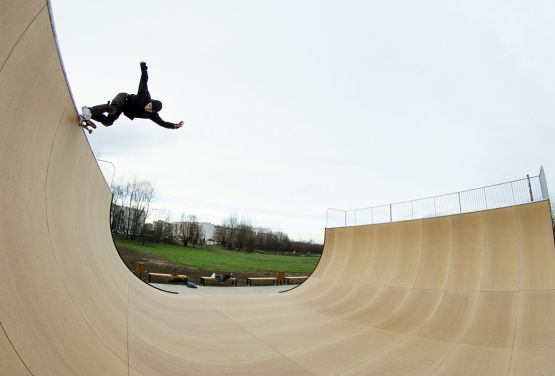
{"x": 483, "y": 244}
{"x": 514, "y": 334}
{"x": 466, "y": 327}
{"x": 128, "y": 300}
{"x": 517, "y": 295}
{"x": 14, "y": 349}
{"x": 21, "y": 36}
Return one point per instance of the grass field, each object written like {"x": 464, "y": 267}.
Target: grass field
{"x": 215, "y": 258}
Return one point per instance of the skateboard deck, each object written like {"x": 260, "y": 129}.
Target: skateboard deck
{"x": 86, "y": 123}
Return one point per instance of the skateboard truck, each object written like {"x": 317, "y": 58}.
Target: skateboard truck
{"x": 86, "y": 123}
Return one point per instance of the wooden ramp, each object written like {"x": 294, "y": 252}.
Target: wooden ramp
{"x": 471, "y": 294}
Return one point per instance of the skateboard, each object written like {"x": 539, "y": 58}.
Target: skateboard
{"x": 86, "y": 123}
{"x": 85, "y": 119}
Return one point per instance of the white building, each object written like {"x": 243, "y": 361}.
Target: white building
{"x": 207, "y": 230}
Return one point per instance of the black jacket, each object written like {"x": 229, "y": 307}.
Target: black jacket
{"x": 134, "y": 106}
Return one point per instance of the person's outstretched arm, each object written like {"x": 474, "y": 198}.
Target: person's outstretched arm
{"x": 143, "y": 86}
{"x": 166, "y": 124}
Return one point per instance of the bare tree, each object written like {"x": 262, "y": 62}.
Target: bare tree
{"x": 130, "y": 206}
{"x": 190, "y": 231}
{"x": 226, "y": 233}
{"x": 163, "y": 231}
{"x": 143, "y": 193}
{"x": 244, "y": 237}
{"x": 116, "y": 212}
{"x": 235, "y": 234}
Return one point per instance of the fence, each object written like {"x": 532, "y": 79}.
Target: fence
{"x": 510, "y": 193}
{"x": 108, "y": 170}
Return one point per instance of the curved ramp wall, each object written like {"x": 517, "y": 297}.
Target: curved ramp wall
{"x": 471, "y": 294}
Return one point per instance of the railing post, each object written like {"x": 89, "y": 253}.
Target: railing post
{"x": 345, "y": 219}
{"x": 530, "y": 188}
{"x": 460, "y": 206}
{"x": 543, "y": 184}
{"x": 390, "y": 214}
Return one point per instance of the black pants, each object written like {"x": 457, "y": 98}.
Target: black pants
{"x": 114, "y": 110}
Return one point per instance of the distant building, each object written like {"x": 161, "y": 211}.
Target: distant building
{"x": 207, "y": 230}
{"x": 174, "y": 230}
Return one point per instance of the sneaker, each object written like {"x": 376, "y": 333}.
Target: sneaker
{"x": 87, "y": 113}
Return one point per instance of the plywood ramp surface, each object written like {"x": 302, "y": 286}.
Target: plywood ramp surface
{"x": 472, "y": 294}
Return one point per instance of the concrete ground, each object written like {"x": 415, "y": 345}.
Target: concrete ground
{"x": 222, "y": 290}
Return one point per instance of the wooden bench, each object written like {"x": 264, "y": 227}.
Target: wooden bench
{"x": 250, "y": 280}
{"x": 203, "y": 280}
{"x": 176, "y": 277}
{"x": 299, "y": 279}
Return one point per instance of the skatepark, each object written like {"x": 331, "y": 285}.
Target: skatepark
{"x": 462, "y": 294}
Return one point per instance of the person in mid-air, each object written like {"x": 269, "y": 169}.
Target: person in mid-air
{"x": 133, "y": 106}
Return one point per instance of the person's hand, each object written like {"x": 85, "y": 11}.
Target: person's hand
{"x": 178, "y": 125}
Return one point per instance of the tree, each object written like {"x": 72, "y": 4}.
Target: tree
{"x": 116, "y": 210}
{"x": 190, "y": 231}
{"x": 162, "y": 231}
{"x": 235, "y": 234}
{"x": 225, "y": 234}
{"x": 130, "y": 206}
{"x": 244, "y": 237}
{"x": 142, "y": 194}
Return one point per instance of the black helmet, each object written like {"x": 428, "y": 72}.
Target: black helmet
{"x": 156, "y": 105}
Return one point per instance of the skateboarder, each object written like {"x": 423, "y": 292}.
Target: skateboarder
{"x": 133, "y": 106}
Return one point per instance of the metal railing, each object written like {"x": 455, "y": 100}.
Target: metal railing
{"x": 108, "y": 170}
{"x": 495, "y": 196}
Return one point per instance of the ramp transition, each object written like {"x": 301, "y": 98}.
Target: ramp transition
{"x": 469, "y": 294}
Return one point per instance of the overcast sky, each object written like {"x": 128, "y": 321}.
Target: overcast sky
{"x": 292, "y": 107}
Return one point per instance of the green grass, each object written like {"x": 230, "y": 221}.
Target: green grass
{"x": 218, "y": 259}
